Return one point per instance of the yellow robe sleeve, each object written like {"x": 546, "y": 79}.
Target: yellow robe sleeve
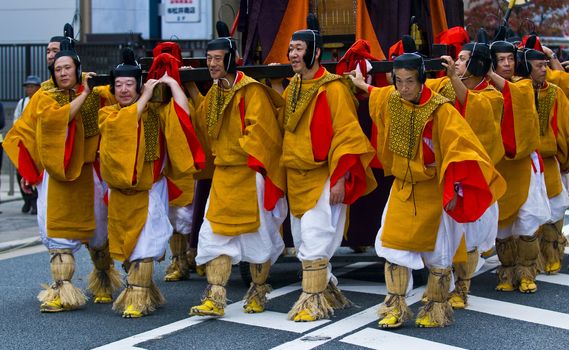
{"x": 262, "y": 137}
{"x": 52, "y": 135}
{"x": 563, "y": 131}
{"x": 199, "y": 123}
{"x": 483, "y": 113}
{"x": 104, "y": 92}
{"x": 180, "y": 166}
{"x": 348, "y": 138}
{"x": 526, "y": 122}
{"x": 122, "y": 146}
{"x": 559, "y": 78}
{"x": 378, "y": 114}
{"x": 456, "y": 142}
{"x": 437, "y": 84}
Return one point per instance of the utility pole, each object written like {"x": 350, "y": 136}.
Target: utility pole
{"x": 85, "y": 19}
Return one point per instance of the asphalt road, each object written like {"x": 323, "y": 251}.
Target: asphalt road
{"x": 492, "y": 321}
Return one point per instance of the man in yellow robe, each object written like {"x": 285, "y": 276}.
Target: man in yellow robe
{"x": 481, "y": 105}
{"x": 141, "y": 144}
{"x": 436, "y": 158}
{"x": 246, "y": 204}
{"x": 54, "y": 146}
{"x": 524, "y": 207}
{"x": 327, "y": 158}
{"x": 552, "y": 109}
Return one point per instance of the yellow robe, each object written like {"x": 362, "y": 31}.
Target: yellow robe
{"x": 305, "y": 176}
{"x": 128, "y": 166}
{"x": 553, "y": 113}
{"x": 516, "y": 168}
{"x": 240, "y": 124}
{"x": 483, "y": 113}
{"x": 42, "y": 130}
{"x": 25, "y": 129}
{"x": 416, "y": 201}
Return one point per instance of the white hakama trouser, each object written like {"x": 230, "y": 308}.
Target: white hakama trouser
{"x": 181, "y": 218}
{"x": 157, "y": 230}
{"x": 535, "y": 211}
{"x": 100, "y": 235}
{"x": 318, "y": 233}
{"x": 482, "y": 233}
{"x": 559, "y": 203}
{"x": 448, "y": 239}
{"x": 254, "y": 247}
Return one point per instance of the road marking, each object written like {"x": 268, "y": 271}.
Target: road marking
{"x": 362, "y": 286}
{"x": 378, "y": 339}
{"x": 271, "y": 319}
{"x": 343, "y": 326}
{"x": 362, "y": 318}
{"x": 560, "y": 278}
{"x": 22, "y": 251}
{"x": 232, "y": 309}
{"x": 156, "y": 333}
{"x": 518, "y": 312}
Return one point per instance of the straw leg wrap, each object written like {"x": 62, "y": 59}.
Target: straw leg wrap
{"x": 552, "y": 243}
{"x": 312, "y": 299}
{"x": 141, "y": 293}
{"x": 528, "y": 251}
{"x": 179, "y": 264}
{"x": 104, "y": 279}
{"x": 259, "y": 288}
{"x": 561, "y": 239}
{"x": 507, "y": 252}
{"x": 396, "y": 281}
{"x": 463, "y": 273}
{"x": 218, "y": 271}
{"x": 191, "y": 254}
{"x": 437, "y": 308}
{"x": 335, "y": 297}
{"x": 62, "y": 265}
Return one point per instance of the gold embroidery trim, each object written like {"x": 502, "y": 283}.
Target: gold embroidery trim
{"x": 407, "y": 123}
{"x": 151, "y": 130}
{"x": 448, "y": 91}
{"x": 218, "y": 102}
{"x": 89, "y": 109}
{"x": 545, "y": 104}
{"x": 296, "y": 105}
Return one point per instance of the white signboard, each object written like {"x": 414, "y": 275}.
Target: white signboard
{"x": 182, "y": 11}
{"x": 186, "y": 19}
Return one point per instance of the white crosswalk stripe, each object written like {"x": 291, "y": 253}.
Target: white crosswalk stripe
{"x": 378, "y": 339}
{"x": 518, "y": 312}
{"x": 359, "y": 329}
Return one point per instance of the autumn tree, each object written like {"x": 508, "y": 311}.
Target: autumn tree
{"x": 546, "y": 17}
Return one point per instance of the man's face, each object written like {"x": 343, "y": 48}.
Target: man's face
{"x": 31, "y": 89}
{"x": 296, "y": 52}
{"x": 408, "y": 85}
{"x": 65, "y": 74}
{"x": 505, "y": 67}
{"x": 125, "y": 91}
{"x": 52, "y": 49}
{"x": 538, "y": 71}
{"x": 461, "y": 63}
{"x": 215, "y": 63}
